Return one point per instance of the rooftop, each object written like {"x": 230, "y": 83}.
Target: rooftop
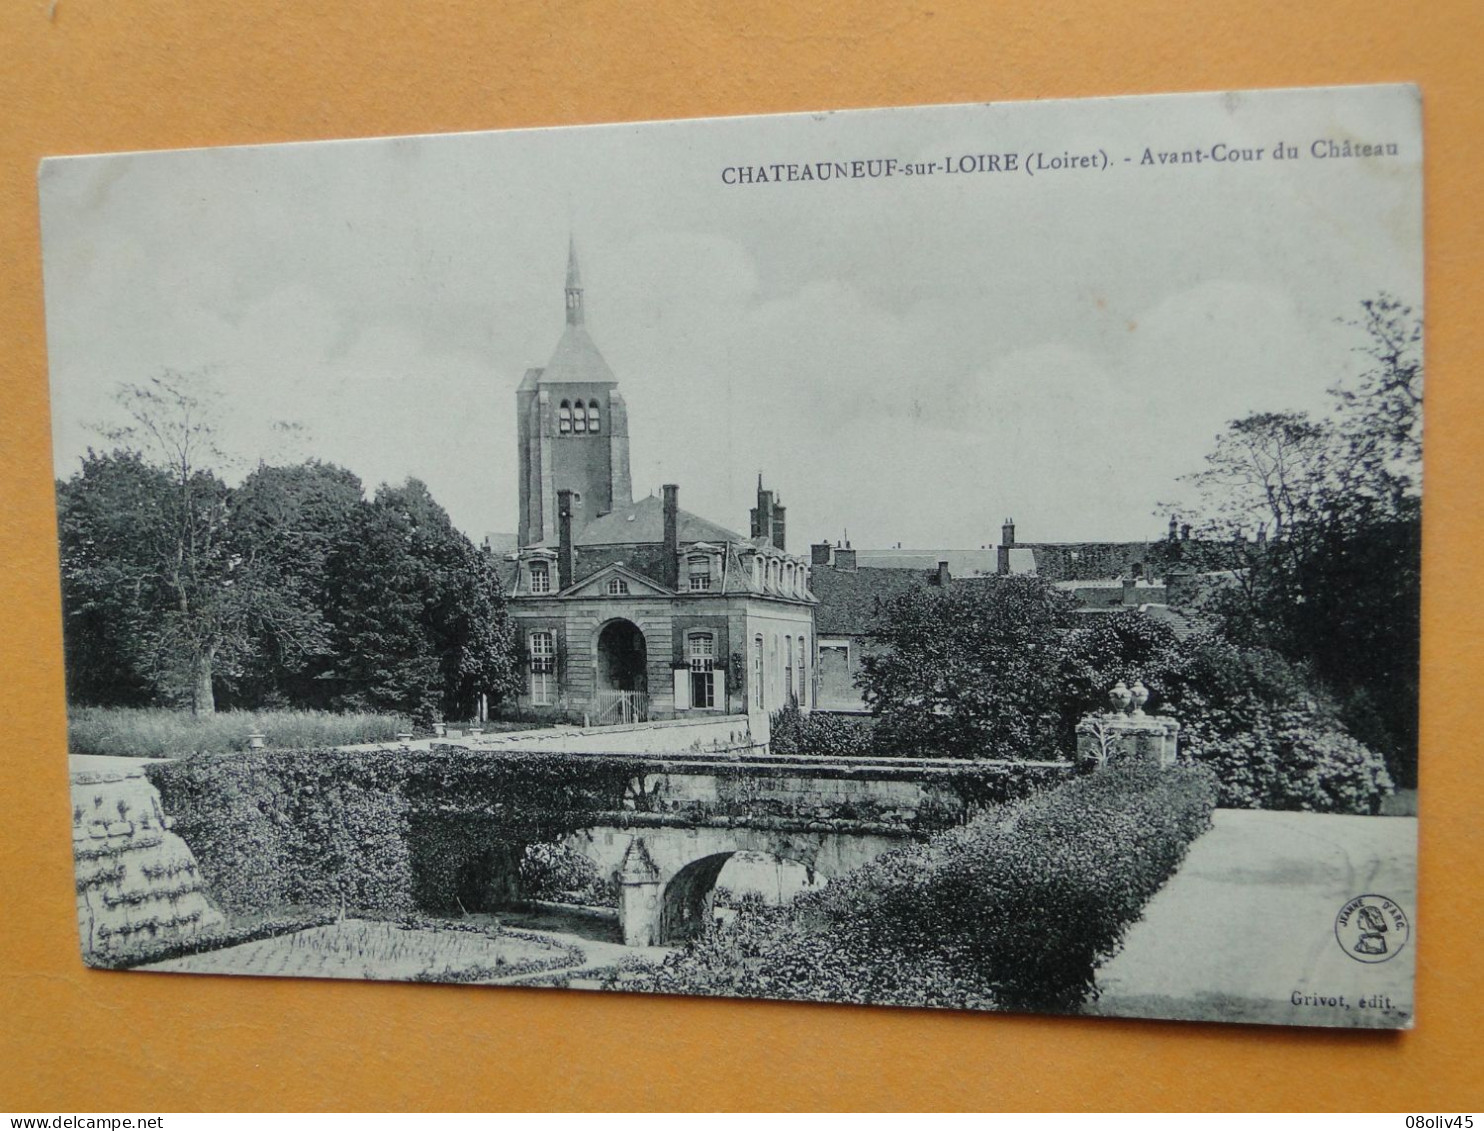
{"x": 644, "y": 521}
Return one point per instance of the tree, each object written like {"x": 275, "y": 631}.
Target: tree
{"x": 972, "y": 670}
{"x": 420, "y": 623}
{"x": 158, "y": 573}
{"x": 114, "y": 532}
{"x": 1337, "y": 584}
{"x": 286, "y": 522}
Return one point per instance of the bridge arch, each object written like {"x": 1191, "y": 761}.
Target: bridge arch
{"x": 686, "y": 897}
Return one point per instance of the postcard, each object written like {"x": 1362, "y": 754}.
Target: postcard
{"x": 950, "y": 556}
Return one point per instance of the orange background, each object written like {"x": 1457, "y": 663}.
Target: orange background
{"x": 81, "y": 76}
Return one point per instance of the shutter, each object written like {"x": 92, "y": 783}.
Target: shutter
{"x": 720, "y": 675}
{"x": 682, "y": 688}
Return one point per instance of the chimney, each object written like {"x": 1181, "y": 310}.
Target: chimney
{"x": 1174, "y": 527}
{"x": 1185, "y": 532}
{"x": 1007, "y": 533}
{"x": 1179, "y": 587}
{"x": 777, "y": 532}
{"x": 672, "y": 535}
{"x": 845, "y": 558}
{"x": 564, "y": 539}
{"x": 1002, "y": 552}
{"x": 819, "y": 554}
{"x": 943, "y": 576}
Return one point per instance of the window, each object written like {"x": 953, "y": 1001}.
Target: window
{"x": 617, "y": 586}
{"x": 543, "y": 668}
{"x": 788, "y": 672}
{"x": 757, "y": 671}
{"x": 540, "y": 577}
{"x": 757, "y": 573}
{"x": 804, "y": 689}
{"x": 594, "y": 421}
{"x": 579, "y": 418}
{"x": 564, "y": 418}
{"x": 700, "y": 650}
{"x": 698, "y": 566}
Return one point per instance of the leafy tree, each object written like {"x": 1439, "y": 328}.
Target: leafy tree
{"x": 197, "y": 602}
{"x": 288, "y": 590}
{"x": 286, "y": 522}
{"x": 970, "y": 670}
{"x": 114, "y": 533}
{"x": 420, "y": 624}
{"x": 1337, "y": 584}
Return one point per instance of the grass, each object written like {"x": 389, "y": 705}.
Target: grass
{"x": 156, "y": 732}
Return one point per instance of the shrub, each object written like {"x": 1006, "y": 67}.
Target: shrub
{"x": 556, "y": 872}
{"x": 156, "y": 732}
{"x": 1260, "y": 721}
{"x": 794, "y": 732}
{"x": 1296, "y": 759}
{"x": 1017, "y": 908}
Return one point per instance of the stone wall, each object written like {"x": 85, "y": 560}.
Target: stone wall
{"x": 704, "y": 733}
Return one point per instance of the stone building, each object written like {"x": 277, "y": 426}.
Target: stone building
{"x": 630, "y": 610}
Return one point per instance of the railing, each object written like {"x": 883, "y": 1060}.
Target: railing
{"x": 620, "y": 707}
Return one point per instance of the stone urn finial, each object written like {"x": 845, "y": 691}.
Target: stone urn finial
{"x": 1119, "y": 697}
{"x": 1140, "y": 695}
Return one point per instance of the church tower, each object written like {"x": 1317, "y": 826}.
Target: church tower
{"x": 572, "y": 428}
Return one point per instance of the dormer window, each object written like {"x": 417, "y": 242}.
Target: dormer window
{"x": 564, "y": 418}
{"x": 757, "y": 573}
{"x": 617, "y": 586}
{"x": 698, "y": 570}
{"x": 540, "y": 573}
{"x": 594, "y": 421}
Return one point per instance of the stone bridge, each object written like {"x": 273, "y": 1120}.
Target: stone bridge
{"x": 688, "y": 815}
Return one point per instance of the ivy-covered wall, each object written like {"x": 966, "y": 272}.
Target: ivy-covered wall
{"x": 378, "y": 831}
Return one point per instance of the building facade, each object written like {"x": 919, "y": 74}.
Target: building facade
{"x": 630, "y": 610}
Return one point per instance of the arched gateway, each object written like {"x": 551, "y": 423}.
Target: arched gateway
{"x": 623, "y": 673}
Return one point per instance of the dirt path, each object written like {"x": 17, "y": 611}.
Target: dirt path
{"x": 1245, "y": 931}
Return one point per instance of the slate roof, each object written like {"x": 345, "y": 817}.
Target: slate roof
{"x": 961, "y": 563}
{"x": 644, "y": 521}
{"x": 576, "y": 361}
{"x": 848, "y": 599}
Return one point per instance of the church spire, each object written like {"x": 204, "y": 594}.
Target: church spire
{"x": 574, "y": 285}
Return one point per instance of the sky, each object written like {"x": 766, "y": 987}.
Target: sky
{"x": 909, "y": 359}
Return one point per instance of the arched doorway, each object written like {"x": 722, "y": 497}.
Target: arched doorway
{"x": 623, "y": 673}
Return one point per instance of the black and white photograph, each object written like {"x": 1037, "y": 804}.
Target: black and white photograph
{"x": 963, "y": 557}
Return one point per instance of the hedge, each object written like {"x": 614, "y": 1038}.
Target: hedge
{"x": 1014, "y": 910}
{"x": 385, "y": 831}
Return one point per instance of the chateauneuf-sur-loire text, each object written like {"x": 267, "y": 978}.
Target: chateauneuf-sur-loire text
{"x": 1046, "y": 161}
